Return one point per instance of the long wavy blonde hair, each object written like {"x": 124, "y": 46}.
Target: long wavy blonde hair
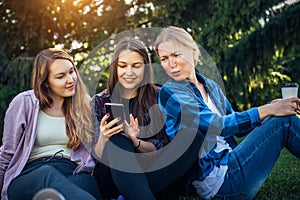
{"x": 77, "y": 109}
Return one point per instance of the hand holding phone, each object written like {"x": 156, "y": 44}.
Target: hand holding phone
{"x": 115, "y": 110}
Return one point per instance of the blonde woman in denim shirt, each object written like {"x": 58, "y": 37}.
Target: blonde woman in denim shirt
{"x": 44, "y": 131}
{"x": 188, "y": 99}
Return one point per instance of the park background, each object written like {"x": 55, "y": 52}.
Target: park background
{"x": 255, "y": 45}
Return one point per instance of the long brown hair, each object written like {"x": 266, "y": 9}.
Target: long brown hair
{"x": 147, "y": 91}
{"x": 76, "y": 108}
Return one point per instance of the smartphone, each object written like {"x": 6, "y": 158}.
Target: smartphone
{"x": 115, "y": 110}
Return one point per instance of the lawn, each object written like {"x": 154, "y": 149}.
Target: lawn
{"x": 284, "y": 180}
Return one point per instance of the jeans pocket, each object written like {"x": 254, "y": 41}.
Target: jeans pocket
{"x": 237, "y": 196}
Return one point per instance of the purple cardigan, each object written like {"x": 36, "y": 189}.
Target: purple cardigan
{"x": 19, "y": 135}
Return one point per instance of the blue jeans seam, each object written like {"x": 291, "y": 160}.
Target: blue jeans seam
{"x": 258, "y": 145}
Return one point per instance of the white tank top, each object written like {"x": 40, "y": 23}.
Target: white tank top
{"x": 51, "y": 137}
{"x": 209, "y": 187}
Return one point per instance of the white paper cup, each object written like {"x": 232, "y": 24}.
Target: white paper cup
{"x": 289, "y": 90}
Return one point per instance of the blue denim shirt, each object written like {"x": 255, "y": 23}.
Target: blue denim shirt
{"x": 183, "y": 106}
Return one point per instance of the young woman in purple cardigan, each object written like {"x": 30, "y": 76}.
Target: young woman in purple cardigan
{"x": 43, "y": 135}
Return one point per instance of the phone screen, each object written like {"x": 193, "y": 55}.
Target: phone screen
{"x": 115, "y": 110}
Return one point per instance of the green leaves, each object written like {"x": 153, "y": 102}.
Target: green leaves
{"x": 255, "y": 43}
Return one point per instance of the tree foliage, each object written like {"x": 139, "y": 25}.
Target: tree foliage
{"x": 254, "y": 43}
{"x": 20, "y": 69}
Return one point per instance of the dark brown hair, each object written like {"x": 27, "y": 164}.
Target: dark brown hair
{"x": 147, "y": 91}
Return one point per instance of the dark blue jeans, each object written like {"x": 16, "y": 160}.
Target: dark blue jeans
{"x": 251, "y": 162}
{"x": 53, "y": 172}
{"x": 137, "y": 177}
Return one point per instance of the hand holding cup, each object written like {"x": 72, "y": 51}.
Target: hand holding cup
{"x": 289, "y": 90}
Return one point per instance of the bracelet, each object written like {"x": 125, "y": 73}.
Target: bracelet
{"x": 139, "y": 144}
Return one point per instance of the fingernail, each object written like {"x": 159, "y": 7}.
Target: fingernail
{"x": 107, "y": 114}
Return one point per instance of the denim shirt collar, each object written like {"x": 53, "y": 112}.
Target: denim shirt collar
{"x": 199, "y": 77}
{"x": 211, "y": 90}
{"x": 202, "y": 80}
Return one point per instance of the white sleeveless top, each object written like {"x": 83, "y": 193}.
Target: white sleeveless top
{"x": 209, "y": 187}
{"x": 51, "y": 137}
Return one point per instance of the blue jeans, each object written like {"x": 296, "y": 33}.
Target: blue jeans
{"x": 251, "y": 162}
{"x": 53, "y": 172}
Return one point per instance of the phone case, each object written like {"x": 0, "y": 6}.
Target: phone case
{"x": 115, "y": 110}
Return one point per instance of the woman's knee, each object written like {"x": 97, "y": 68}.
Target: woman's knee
{"x": 29, "y": 183}
{"x": 47, "y": 171}
{"x": 44, "y": 169}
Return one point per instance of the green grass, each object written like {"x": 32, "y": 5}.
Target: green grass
{"x": 284, "y": 180}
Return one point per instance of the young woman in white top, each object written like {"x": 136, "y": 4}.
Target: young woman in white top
{"x": 44, "y": 132}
